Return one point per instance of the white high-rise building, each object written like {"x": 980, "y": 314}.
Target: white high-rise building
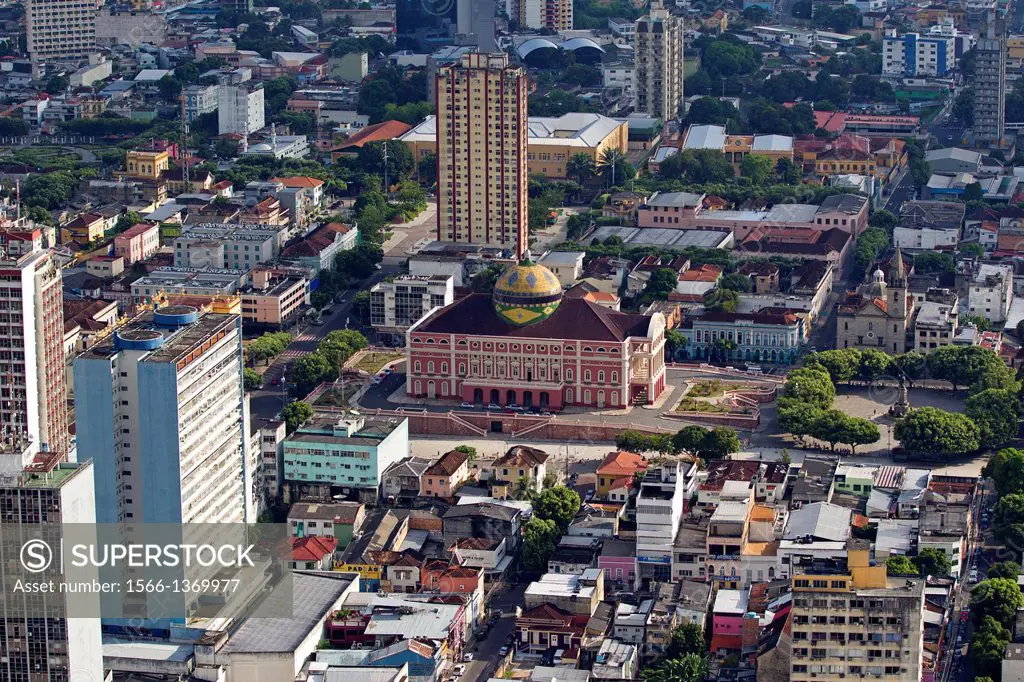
{"x": 555, "y": 15}
{"x": 659, "y": 509}
{"x": 35, "y": 645}
{"x": 240, "y": 108}
{"x": 160, "y": 409}
{"x": 659, "y": 62}
{"x": 60, "y": 29}
{"x": 33, "y": 392}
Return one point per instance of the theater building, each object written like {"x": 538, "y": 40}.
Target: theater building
{"x": 529, "y": 344}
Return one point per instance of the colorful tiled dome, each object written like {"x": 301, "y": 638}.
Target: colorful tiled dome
{"x": 526, "y": 293}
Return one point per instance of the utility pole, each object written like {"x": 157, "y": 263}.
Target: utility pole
{"x": 387, "y": 186}
{"x": 183, "y": 152}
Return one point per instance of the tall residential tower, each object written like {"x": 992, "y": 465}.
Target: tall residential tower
{"x": 990, "y": 85}
{"x": 60, "y": 29}
{"x": 659, "y": 63}
{"x": 160, "y": 409}
{"x": 481, "y": 152}
{"x": 555, "y": 15}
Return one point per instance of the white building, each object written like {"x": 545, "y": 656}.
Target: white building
{"x": 658, "y": 42}
{"x": 916, "y": 55}
{"x": 280, "y": 147}
{"x": 567, "y": 266}
{"x": 990, "y": 292}
{"x": 240, "y": 108}
{"x": 397, "y": 305}
{"x": 659, "y": 508}
{"x": 924, "y": 238}
{"x": 33, "y": 412}
{"x": 232, "y": 247}
{"x": 199, "y": 100}
{"x": 60, "y": 29}
{"x": 161, "y": 412}
{"x": 62, "y": 495}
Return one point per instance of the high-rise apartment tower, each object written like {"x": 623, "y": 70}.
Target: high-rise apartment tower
{"x": 481, "y": 152}
{"x": 658, "y": 68}
{"x": 60, "y": 29}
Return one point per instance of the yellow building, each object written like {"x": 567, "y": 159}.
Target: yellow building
{"x": 481, "y": 149}
{"x": 146, "y": 165}
{"x": 550, "y": 143}
{"x": 1015, "y": 47}
{"x": 855, "y": 622}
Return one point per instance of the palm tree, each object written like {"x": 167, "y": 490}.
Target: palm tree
{"x": 580, "y": 168}
{"x": 686, "y": 668}
{"x": 610, "y": 164}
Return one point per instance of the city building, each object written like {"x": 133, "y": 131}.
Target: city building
{"x": 616, "y": 466}
{"x": 851, "y": 621}
{"x": 520, "y": 467}
{"x": 240, "y": 108}
{"x": 658, "y": 45}
{"x": 60, "y": 30}
{"x": 916, "y": 55}
{"x": 736, "y": 147}
{"x": 482, "y": 179}
{"x": 329, "y": 456}
{"x": 879, "y": 314}
{"x": 60, "y": 493}
{"x": 400, "y": 303}
{"x": 145, "y": 164}
{"x": 527, "y": 345}
{"x": 990, "y": 291}
{"x": 989, "y": 82}
{"x": 659, "y": 508}
{"x": 319, "y": 250}
{"x": 774, "y": 337}
{"x": 160, "y": 408}
{"x": 33, "y": 412}
{"x": 273, "y": 300}
{"x": 174, "y": 280}
{"x": 227, "y": 246}
{"x": 550, "y": 142}
{"x": 138, "y": 242}
{"x": 445, "y": 475}
{"x": 554, "y": 15}
{"x": 199, "y": 100}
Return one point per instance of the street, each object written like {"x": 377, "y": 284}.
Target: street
{"x": 266, "y": 403}
{"x": 904, "y": 191}
{"x": 486, "y": 654}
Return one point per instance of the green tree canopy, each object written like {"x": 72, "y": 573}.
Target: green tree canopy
{"x": 810, "y": 385}
{"x": 900, "y": 566}
{"x": 539, "y": 538}
{"x": 687, "y": 638}
{"x": 931, "y": 561}
{"x": 1006, "y": 469}
{"x": 558, "y": 504}
{"x": 295, "y": 414}
{"x": 996, "y": 411}
{"x": 929, "y": 430}
{"x": 996, "y": 597}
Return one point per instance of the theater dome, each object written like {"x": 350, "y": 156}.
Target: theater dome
{"x": 526, "y": 293}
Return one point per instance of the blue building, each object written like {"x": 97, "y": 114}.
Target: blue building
{"x": 332, "y": 456}
{"x": 770, "y": 337}
{"x": 917, "y": 55}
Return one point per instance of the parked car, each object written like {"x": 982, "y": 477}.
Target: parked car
{"x": 459, "y": 669}
{"x": 467, "y": 657}
{"x": 492, "y": 406}
{"x": 467, "y": 406}
{"x": 590, "y": 495}
{"x": 503, "y": 650}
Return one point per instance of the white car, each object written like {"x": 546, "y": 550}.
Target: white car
{"x": 467, "y": 406}
{"x": 466, "y": 658}
{"x": 458, "y": 670}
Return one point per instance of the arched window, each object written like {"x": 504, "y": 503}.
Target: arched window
{"x": 613, "y": 398}
{"x": 444, "y": 388}
{"x": 430, "y": 340}
{"x": 462, "y": 342}
{"x": 587, "y": 349}
{"x": 600, "y": 376}
{"x": 417, "y": 388}
{"x": 586, "y": 397}
{"x": 443, "y": 342}
{"x": 568, "y": 374}
{"x": 430, "y": 367}
{"x": 586, "y": 375}
{"x": 615, "y": 378}
{"x": 417, "y": 367}
{"x": 462, "y": 369}
{"x": 600, "y": 350}
{"x": 444, "y": 368}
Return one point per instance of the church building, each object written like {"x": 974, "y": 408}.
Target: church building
{"x": 879, "y": 314}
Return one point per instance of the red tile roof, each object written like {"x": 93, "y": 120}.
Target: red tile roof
{"x": 621, "y": 463}
{"x": 298, "y": 181}
{"x": 385, "y": 130}
{"x": 137, "y": 229}
{"x": 448, "y": 464}
{"x": 521, "y": 455}
{"x": 312, "y": 548}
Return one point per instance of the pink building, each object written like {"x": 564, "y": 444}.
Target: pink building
{"x": 727, "y": 621}
{"x": 687, "y": 211}
{"x": 445, "y": 475}
{"x": 138, "y": 242}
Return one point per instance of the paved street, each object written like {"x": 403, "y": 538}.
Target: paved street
{"x": 265, "y": 403}
{"x": 486, "y": 654}
{"x": 903, "y": 191}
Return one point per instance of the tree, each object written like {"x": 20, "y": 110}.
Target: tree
{"x": 660, "y": 284}
{"x": 757, "y": 167}
{"x": 468, "y": 450}
{"x": 689, "y": 439}
{"x": 252, "y": 379}
{"x": 931, "y": 561}
{"x": 969, "y": 366}
{"x": 787, "y": 172}
{"x": 871, "y": 244}
{"x": 810, "y": 385}
{"x": 883, "y": 219}
{"x": 900, "y": 566}
{"x": 721, "y": 300}
{"x": 57, "y": 84}
{"x": 1004, "y": 569}
{"x": 675, "y": 341}
{"x": 859, "y": 431}
{"x": 400, "y": 163}
{"x": 996, "y": 411}
{"x": 1006, "y": 469}
{"x": 558, "y": 504}
{"x": 996, "y": 597}
{"x": 719, "y": 442}
{"x": 359, "y": 263}
{"x": 686, "y": 668}
{"x": 929, "y": 430}
{"x": 736, "y": 282}
{"x": 933, "y": 261}
{"x": 295, "y": 414}
{"x": 841, "y": 364}
{"x": 581, "y": 74}
{"x": 973, "y": 192}
{"x": 612, "y": 165}
{"x": 581, "y": 168}
{"x": 911, "y": 364}
{"x": 797, "y": 417}
{"x": 169, "y": 87}
{"x": 988, "y": 643}
{"x": 873, "y": 364}
{"x": 687, "y": 638}
{"x": 539, "y": 538}
{"x": 484, "y": 280}
{"x": 309, "y": 370}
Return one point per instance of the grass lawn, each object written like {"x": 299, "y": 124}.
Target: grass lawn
{"x": 688, "y": 404}
{"x": 373, "y": 362}
{"x": 706, "y": 389}
{"x": 339, "y": 397}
